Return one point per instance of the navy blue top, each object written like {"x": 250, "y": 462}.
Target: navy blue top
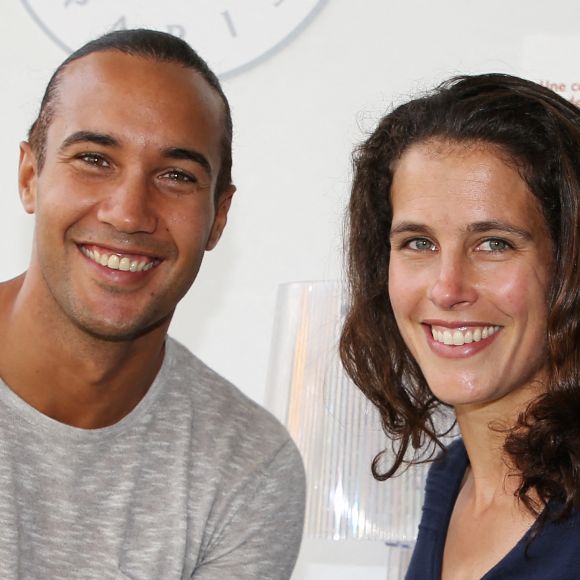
{"x": 553, "y": 554}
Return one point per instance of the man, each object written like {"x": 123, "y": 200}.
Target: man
{"x": 122, "y": 455}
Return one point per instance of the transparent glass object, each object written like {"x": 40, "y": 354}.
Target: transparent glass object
{"x": 337, "y": 430}
{"x": 398, "y": 559}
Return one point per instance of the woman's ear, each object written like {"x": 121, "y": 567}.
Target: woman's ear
{"x": 27, "y": 177}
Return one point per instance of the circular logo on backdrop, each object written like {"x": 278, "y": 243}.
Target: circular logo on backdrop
{"x": 228, "y": 34}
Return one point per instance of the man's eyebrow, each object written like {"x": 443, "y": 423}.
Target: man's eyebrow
{"x": 188, "y": 155}
{"x": 489, "y": 225}
{"x": 89, "y": 137}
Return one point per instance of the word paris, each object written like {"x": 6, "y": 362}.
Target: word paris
{"x": 229, "y": 34}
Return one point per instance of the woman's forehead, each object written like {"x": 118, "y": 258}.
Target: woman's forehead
{"x": 453, "y": 181}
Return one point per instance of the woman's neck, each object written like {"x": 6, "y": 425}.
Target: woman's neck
{"x": 484, "y": 429}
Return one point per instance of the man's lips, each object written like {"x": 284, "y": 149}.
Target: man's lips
{"x": 118, "y": 260}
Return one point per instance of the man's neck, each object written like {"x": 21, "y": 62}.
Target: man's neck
{"x": 67, "y": 374}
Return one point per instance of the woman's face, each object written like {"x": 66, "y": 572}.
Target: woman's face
{"x": 469, "y": 271}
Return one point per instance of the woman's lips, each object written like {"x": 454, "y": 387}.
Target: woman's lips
{"x": 463, "y": 335}
{"x": 460, "y": 341}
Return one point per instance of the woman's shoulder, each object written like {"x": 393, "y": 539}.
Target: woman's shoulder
{"x": 451, "y": 462}
{"x": 443, "y": 483}
{"x": 553, "y": 553}
{"x": 441, "y": 488}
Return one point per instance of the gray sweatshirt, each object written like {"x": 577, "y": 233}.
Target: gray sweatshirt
{"x": 196, "y": 482}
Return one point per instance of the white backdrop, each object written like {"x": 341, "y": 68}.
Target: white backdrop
{"x": 296, "y": 115}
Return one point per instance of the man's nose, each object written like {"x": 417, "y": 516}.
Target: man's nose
{"x": 453, "y": 285}
{"x": 128, "y": 206}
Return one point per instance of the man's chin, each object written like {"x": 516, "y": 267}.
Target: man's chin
{"x": 120, "y": 330}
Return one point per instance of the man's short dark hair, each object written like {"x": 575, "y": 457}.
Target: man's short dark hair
{"x": 151, "y": 44}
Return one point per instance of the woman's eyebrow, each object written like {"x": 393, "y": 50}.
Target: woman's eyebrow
{"x": 489, "y": 225}
{"x": 409, "y": 227}
{"x": 475, "y": 227}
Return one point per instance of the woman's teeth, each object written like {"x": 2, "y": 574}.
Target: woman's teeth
{"x": 464, "y": 336}
{"x": 116, "y": 262}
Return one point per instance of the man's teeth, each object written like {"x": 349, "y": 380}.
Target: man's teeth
{"x": 116, "y": 262}
{"x": 464, "y": 336}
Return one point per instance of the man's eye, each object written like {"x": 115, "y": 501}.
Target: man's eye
{"x": 420, "y": 245}
{"x": 494, "y": 245}
{"x": 178, "y": 175}
{"x": 94, "y": 159}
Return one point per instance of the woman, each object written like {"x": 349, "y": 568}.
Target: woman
{"x": 463, "y": 257}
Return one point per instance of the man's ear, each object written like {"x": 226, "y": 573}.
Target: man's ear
{"x": 27, "y": 177}
{"x": 221, "y": 216}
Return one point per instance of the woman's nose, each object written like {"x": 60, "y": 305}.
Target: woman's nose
{"x": 452, "y": 286}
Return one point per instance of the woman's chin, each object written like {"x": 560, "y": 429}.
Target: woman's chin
{"x": 459, "y": 391}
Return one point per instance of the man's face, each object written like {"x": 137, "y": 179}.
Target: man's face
{"x": 124, "y": 202}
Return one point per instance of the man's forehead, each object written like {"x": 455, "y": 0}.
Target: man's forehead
{"x": 116, "y": 81}
{"x": 139, "y": 101}
{"x": 112, "y": 64}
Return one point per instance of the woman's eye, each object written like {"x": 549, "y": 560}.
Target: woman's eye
{"x": 494, "y": 245}
{"x": 420, "y": 244}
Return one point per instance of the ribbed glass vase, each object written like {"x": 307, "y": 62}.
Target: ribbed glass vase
{"x": 337, "y": 430}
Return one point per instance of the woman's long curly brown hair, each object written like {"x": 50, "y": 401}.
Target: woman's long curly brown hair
{"x": 539, "y": 131}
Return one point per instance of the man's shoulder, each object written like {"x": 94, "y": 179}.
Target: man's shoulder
{"x": 219, "y": 406}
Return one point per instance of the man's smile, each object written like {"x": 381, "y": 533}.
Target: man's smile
{"x": 119, "y": 260}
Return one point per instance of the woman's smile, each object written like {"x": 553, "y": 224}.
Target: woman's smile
{"x": 459, "y": 340}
